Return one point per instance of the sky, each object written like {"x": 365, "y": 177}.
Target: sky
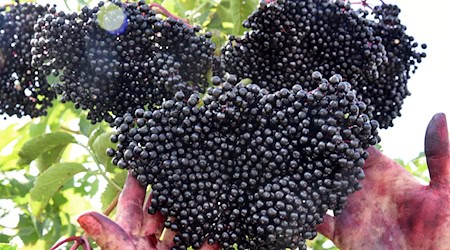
{"x": 428, "y": 23}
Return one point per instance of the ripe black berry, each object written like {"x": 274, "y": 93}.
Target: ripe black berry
{"x": 249, "y": 167}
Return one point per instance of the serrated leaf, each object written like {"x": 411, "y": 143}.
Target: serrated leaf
{"x": 111, "y": 191}
{"x": 46, "y": 159}
{"x": 38, "y": 145}
{"x": 49, "y": 182}
{"x": 99, "y": 146}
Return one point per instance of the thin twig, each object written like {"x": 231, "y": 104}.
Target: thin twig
{"x": 75, "y": 245}
{"x": 101, "y": 171}
{"x": 71, "y": 238}
{"x": 163, "y": 11}
{"x": 70, "y": 130}
{"x": 112, "y": 205}
{"x": 86, "y": 242}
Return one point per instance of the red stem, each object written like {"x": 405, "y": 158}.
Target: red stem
{"x": 161, "y": 10}
{"x": 75, "y": 245}
{"x": 364, "y": 3}
{"x": 71, "y": 238}
{"x": 78, "y": 241}
{"x": 86, "y": 243}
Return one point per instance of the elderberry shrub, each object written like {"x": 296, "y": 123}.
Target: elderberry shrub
{"x": 23, "y": 90}
{"x": 247, "y": 166}
{"x": 117, "y": 57}
{"x": 289, "y": 39}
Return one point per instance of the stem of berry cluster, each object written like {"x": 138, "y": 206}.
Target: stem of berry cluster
{"x": 363, "y": 3}
{"x": 163, "y": 11}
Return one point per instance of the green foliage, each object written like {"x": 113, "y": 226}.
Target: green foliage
{"x": 51, "y": 168}
{"x": 4, "y": 246}
{"x": 50, "y": 172}
{"x": 320, "y": 242}
{"x": 418, "y": 167}
{"x": 49, "y": 182}
{"x": 220, "y": 17}
{"x": 44, "y": 144}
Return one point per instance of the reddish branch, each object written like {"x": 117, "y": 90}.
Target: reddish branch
{"x": 363, "y": 3}
{"x": 83, "y": 240}
{"x": 163, "y": 11}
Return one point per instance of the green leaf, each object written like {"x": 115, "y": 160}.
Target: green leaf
{"x": 58, "y": 115}
{"x": 203, "y": 12}
{"x": 179, "y": 7}
{"x": 5, "y": 246}
{"x": 52, "y": 79}
{"x": 86, "y": 127}
{"x": 16, "y": 139}
{"x": 49, "y": 182}
{"x": 17, "y": 190}
{"x": 38, "y": 145}
{"x": 99, "y": 146}
{"x": 4, "y": 238}
{"x": 93, "y": 136}
{"x": 39, "y": 128}
{"x": 235, "y": 12}
{"x": 27, "y": 232}
{"x": 400, "y": 161}
{"x": 240, "y": 10}
{"x": 67, "y": 4}
{"x": 8, "y": 135}
{"x": 88, "y": 185}
{"x": 46, "y": 159}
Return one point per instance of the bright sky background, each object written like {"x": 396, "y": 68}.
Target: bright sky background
{"x": 428, "y": 22}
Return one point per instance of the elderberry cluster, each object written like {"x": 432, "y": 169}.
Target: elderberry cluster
{"x": 387, "y": 92}
{"x": 117, "y": 57}
{"x": 23, "y": 90}
{"x": 289, "y": 39}
{"x": 248, "y": 166}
